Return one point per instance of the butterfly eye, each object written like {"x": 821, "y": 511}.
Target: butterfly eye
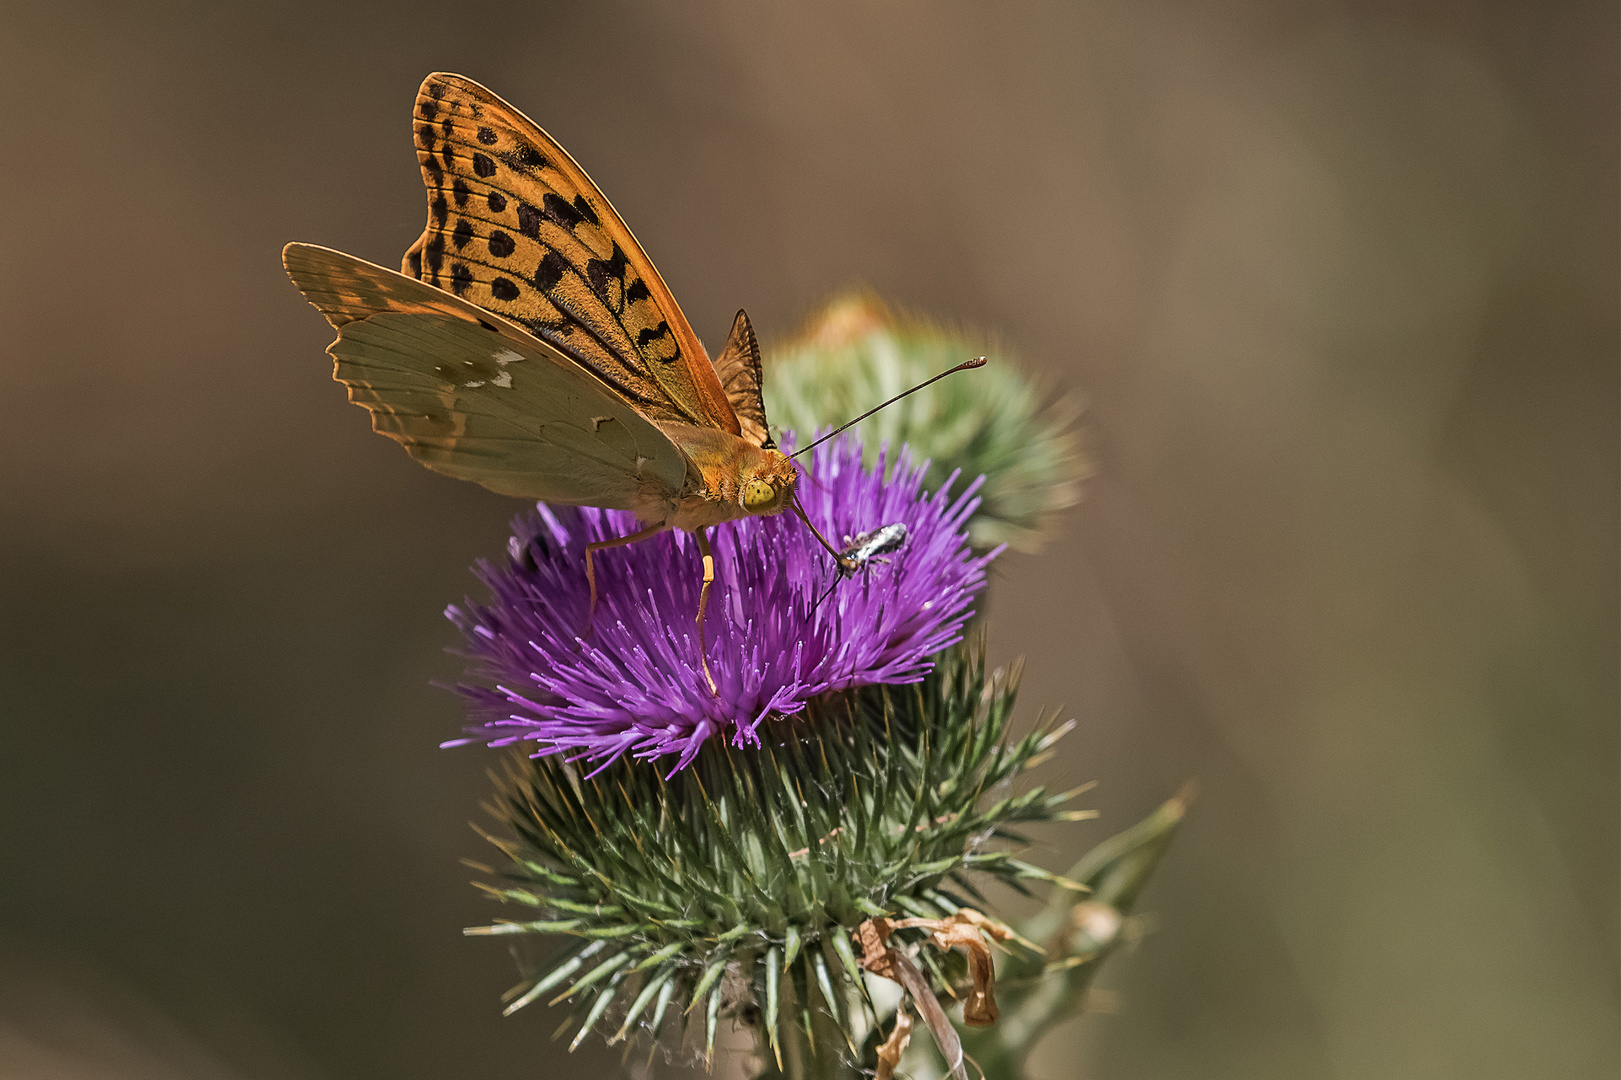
{"x": 758, "y": 495}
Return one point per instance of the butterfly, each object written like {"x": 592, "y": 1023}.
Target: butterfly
{"x": 528, "y": 344}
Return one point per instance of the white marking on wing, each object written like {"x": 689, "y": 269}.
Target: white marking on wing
{"x": 472, "y": 385}
{"x": 507, "y": 356}
{"x": 504, "y": 379}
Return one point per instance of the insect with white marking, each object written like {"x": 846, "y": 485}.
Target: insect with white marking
{"x": 862, "y": 552}
{"x": 867, "y": 548}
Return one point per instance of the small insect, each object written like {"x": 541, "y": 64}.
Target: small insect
{"x": 529, "y": 345}
{"x": 867, "y": 548}
{"x": 862, "y": 552}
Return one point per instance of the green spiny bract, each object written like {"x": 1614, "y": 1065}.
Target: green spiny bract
{"x": 732, "y": 888}
{"x": 991, "y": 421}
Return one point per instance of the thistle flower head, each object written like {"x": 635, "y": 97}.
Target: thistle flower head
{"x": 732, "y": 888}
{"x": 782, "y": 626}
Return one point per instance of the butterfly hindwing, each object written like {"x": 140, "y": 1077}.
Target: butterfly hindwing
{"x": 738, "y": 367}
{"x": 515, "y": 226}
{"x": 477, "y": 398}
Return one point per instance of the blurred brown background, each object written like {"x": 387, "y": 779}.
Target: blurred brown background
{"x": 1339, "y": 281}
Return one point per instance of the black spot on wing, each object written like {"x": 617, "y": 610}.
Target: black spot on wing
{"x": 463, "y": 233}
{"x": 427, "y": 137}
{"x": 448, "y": 126}
{"x": 449, "y": 155}
{"x": 486, "y": 136}
{"x": 650, "y": 335}
{"x": 600, "y": 272}
{"x": 415, "y": 259}
{"x": 497, "y": 201}
{"x": 502, "y": 289}
{"x": 501, "y": 244}
{"x": 461, "y": 192}
{"x": 637, "y": 290}
{"x": 583, "y": 208}
{"x": 551, "y": 271}
{"x": 441, "y": 209}
{"x": 483, "y": 166}
{"x": 562, "y": 212}
{"x": 523, "y": 158}
{"x": 460, "y": 278}
{"x": 529, "y": 221}
{"x": 429, "y": 109}
{"x": 434, "y": 255}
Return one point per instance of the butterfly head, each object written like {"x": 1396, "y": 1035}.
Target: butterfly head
{"x": 767, "y": 483}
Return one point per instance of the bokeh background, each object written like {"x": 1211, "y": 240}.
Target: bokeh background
{"x": 1337, "y": 280}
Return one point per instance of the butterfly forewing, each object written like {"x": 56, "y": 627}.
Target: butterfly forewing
{"x": 516, "y": 227}
{"x": 474, "y": 397}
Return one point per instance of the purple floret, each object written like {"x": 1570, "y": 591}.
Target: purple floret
{"x": 633, "y": 680}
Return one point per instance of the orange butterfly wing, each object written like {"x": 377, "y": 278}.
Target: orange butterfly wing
{"x": 516, "y": 227}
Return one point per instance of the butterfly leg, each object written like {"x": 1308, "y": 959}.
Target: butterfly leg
{"x": 598, "y": 545}
{"x": 703, "y": 602}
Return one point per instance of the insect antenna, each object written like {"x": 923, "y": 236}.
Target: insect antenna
{"x": 978, "y": 361}
{"x": 811, "y": 614}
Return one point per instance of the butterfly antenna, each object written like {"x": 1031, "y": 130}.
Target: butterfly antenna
{"x": 978, "y": 361}
{"x": 811, "y": 478}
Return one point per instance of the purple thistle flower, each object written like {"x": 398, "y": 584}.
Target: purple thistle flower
{"x": 633, "y": 681}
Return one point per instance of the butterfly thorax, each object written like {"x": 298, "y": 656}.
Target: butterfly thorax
{"x": 729, "y": 477}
